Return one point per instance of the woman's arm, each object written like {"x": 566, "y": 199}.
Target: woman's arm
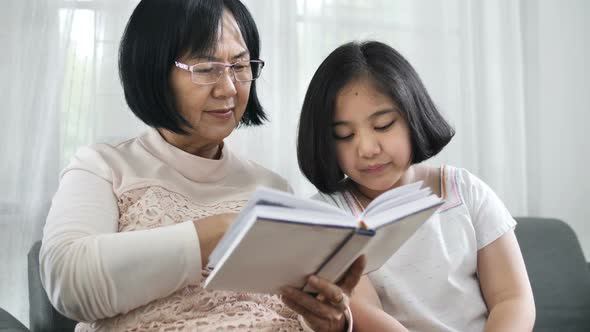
{"x": 91, "y": 271}
{"x": 367, "y": 310}
{"x": 505, "y": 286}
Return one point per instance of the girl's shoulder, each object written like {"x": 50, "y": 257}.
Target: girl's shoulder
{"x": 460, "y": 187}
{"x": 448, "y": 182}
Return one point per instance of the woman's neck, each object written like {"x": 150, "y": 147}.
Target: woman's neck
{"x": 187, "y": 143}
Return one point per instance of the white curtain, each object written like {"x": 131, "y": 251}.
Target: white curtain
{"x": 32, "y": 72}
{"x": 59, "y": 90}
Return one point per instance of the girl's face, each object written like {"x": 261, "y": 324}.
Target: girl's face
{"x": 372, "y": 137}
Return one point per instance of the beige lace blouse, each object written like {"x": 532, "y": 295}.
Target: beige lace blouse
{"x": 120, "y": 251}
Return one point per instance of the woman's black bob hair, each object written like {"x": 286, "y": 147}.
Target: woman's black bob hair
{"x": 393, "y": 76}
{"x": 161, "y": 31}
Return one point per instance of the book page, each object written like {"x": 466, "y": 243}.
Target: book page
{"x": 400, "y": 212}
{"x": 397, "y": 201}
{"x": 393, "y": 194}
{"x": 268, "y": 196}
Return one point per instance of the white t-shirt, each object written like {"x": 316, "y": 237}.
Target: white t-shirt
{"x": 431, "y": 283}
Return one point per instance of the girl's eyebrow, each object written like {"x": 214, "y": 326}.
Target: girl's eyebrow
{"x": 372, "y": 116}
{"x": 384, "y": 111}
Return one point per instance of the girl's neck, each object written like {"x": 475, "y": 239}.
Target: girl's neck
{"x": 366, "y": 195}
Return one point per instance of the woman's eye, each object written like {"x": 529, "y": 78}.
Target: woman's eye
{"x": 202, "y": 70}
{"x": 386, "y": 126}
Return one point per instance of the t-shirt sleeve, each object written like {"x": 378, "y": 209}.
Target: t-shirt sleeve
{"x": 491, "y": 219}
{"x": 89, "y": 269}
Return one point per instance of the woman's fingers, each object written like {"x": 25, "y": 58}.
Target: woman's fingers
{"x": 315, "y": 322}
{"x": 329, "y": 293}
{"x": 310, "y": 304}
{"x": 353, "y": 275}
{"x": 319, "y": 316}
{"x": 326, "y": 311}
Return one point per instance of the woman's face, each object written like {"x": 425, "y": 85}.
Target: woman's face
{"x": 214, "y": 110}
{"x": 372, "y": 137}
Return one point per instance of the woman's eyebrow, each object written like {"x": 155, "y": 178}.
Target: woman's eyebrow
{"x": 216, "y": 59}
{"x": 239, "y": 55}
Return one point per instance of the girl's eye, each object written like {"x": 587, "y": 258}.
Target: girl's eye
{"x": 343, "y": 138}
{"x": 385, "y": 127}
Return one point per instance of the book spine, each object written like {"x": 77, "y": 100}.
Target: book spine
{"x": 336, "y": 265}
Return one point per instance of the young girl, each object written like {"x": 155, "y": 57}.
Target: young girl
{"x": 366, "y": 125}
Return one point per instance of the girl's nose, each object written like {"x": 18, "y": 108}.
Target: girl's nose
{"x": 368, "y": 147}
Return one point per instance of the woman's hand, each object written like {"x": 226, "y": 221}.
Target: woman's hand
{"x": 210, "y": 230}
{"x": 325, "y": 312}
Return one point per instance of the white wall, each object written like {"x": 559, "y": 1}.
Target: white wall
{"x": 557, "y": 51}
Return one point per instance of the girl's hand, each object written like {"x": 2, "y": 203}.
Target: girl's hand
{"x": 325, "y": 312}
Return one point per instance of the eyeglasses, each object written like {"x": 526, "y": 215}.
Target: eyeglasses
{"x": 210, "y": 72}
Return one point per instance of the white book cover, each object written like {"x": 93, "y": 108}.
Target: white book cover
{"x": 279, "y": 239}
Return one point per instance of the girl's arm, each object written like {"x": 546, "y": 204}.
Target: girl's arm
{"x": 367, "y": 311}
{"x": 505, "y": 286}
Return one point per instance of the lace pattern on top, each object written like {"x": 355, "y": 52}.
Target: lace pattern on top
{"x": 192, "y": 308}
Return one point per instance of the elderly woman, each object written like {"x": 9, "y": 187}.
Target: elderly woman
{"x": 132, "y": 224}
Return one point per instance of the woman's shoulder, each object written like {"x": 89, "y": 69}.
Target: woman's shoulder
{"x": 247, "y": 168}
{"x": 102, "y": 158}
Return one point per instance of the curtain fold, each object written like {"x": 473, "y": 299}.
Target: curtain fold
{"x": 32, "y": 76}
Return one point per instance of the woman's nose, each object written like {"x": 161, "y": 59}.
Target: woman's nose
{"x": 226, "y": 85}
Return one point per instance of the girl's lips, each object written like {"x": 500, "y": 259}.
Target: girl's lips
{"x": 223, "y": 114}
{"x": 374, "y": 169}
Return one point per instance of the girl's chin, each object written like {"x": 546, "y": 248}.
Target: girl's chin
{"x": 377, "y": 186}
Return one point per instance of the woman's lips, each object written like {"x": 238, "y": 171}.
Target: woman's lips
{"x": 223, "y": 114}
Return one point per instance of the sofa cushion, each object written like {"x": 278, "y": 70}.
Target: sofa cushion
{"x": 42, "y": 315}
{"x": 558, "y": 272}
{"x": 10, "y": 324}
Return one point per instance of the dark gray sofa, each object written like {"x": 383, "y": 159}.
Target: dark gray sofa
{"x": 10, "y": 324}
{"x": 559, "y": 274}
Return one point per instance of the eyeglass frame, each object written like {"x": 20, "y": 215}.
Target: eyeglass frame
{"x": 231, "y": 66}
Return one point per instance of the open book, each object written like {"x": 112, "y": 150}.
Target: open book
{"x": 279, "y": 239}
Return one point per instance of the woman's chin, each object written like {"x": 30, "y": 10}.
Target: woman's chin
{"x": 218, "y": 133}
